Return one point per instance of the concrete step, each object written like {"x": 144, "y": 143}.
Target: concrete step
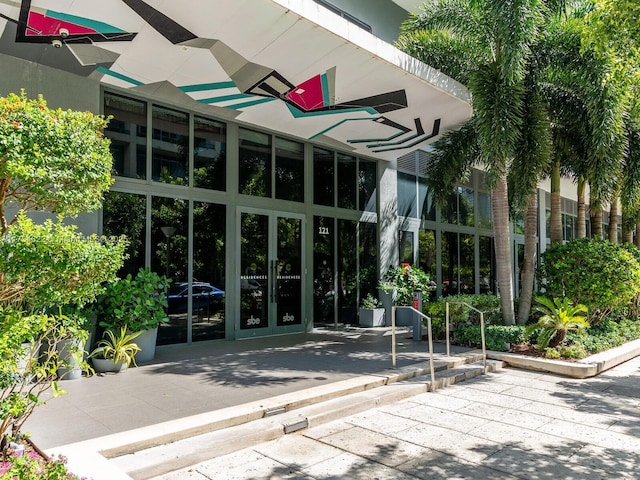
{"x": 306, "y": 411}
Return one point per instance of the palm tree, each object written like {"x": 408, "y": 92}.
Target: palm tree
{"x": 484, "y": 44}
{"x": 559, "y": 315}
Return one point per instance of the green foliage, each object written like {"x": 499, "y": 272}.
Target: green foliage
{"x": 31, "y": 466}
{"x": 597, "y": 273}
{"x": 459, "y": 313}
{"x": 552, "y": 353}
{"x": 559, "y": 315}
{"x": 370, "y": 302}
{"x": 606, "y": 334}
{"x": 53, "y": 264}
{"x": 575, "y": 350}
{"x": 118, "y": 347}
{"x": 137, "y": 303}
{"x": 55, "y": 160}
{"x": 496, "y": 336}
{"x": 403, "y": 281}
{"x": 27, "y": 371}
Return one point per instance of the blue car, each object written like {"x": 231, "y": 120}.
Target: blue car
{"x": 203, "y": 296}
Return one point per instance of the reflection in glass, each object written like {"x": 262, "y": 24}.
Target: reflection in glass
{"x": 368, "y": 278}
{"x": 427, "y": 256}
{"x": 169, "y": 240}
{"x": 127, "y": 131}
{"x": 465, "y": 206}
{"x": 170, "y": 145}
{"x": 425, "y": 201}
{"x": 323, "y": 279}
{"x": 209, "y": 154}
{"x": 255, "y": 163}
{"x": 289, "y": 272}
{"x": 125, "y": 214}
{"x": 467, "y": 265}
{"x": 484, "y": 210}
{"x": 487, "y": 265}
{"x": 254, "y": 248}
{"x": 346, "y": 181}
{"x": 406, "y": 195}
{"x": 449, "y": 263}
{"x": 323, "y": 177}
{"x": 367, "y": 179}
{"x": 347, "y": 271}
{"x": 405, "y": 244}
{"x": 208, "y": 287}
{"x": 289, "y": 170}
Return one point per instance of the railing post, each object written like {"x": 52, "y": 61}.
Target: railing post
{"x": 447, "y": 328}
{"x": 484, "y": 347}
{"x": 431, "y": 366}
{"x": 393, "y": 336}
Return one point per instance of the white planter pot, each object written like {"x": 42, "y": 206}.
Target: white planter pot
{"x": 73, "y": 370}
{"x": 147, "y": 343}
{"x": 371, "y": 317}
{"x": 107, "y": 365}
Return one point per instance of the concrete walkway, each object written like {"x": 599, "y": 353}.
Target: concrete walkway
{"x": 512, "y": 424}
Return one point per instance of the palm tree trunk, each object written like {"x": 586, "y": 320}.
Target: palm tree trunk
{"x": 581, "y": 228}
{"x": 627, "y": 230}
{"x": 613, "y": 220}
{"x": 556, "y": 207}
{"x": 637, "y": 241}
{"x": 528, "y": 265}
{"x": 596, "y": 222}
{"x": 502, "y": 240}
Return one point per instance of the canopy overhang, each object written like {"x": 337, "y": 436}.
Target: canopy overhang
{"x": 290, "y": 66}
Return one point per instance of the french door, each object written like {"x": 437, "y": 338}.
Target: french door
{"x": 271, "y": 280}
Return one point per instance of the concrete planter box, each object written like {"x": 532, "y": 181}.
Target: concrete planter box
{"x": 371, "y": 317}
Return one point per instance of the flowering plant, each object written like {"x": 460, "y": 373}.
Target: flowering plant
{"x": 30, "y": 465}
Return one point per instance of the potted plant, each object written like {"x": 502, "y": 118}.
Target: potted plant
{"x": 73, "y": 330}
{"x": 401, "y": 282}
{"x": 139, "y": 305}
{"x": 115, "y": 352}
{"x": 371, "y": 313}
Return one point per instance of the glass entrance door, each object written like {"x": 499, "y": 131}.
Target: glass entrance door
{"x": 271, "y": 280}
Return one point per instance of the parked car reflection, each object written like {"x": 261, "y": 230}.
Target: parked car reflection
{"x": 203, "y": 296}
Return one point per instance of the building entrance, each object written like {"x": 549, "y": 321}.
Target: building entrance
{"x": 271, "y": 280}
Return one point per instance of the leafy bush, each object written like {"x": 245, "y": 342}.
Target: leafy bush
{"x": 606, "y": 334}
{"x": 459, "y": 313}
{"x": 496, "y": 336}
{"x": 576, "y": 350}
{"x": 597, "y": 273}
{"x": 403, "y": 281}
{"x": 559, "y": 316}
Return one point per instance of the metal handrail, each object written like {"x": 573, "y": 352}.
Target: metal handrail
{"x": 429, "y": 334}
{"x": 484, "y": 347}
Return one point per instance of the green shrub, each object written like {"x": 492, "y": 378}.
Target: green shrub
{"x": 496, "y": 336}
{"x": 458, "y": 313}
{"x": 403, "y": 281}
{"x": 576, "y": 350}
{"x": 551, "y": 353}
{"x": 606, "y": 334}
{"x": 597, "y": 273}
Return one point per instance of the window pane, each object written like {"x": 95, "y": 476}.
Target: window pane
{"x": 289, "y": 170}
{"x": 467, "y": 264}
{"x": 323, "y": 177}
{"x": 484, "y": 210}
{"x": 449, "y": 213}
{"x": 449, "y": 263}
{"x": 128, "y": 133}
{"x": 208, "y": 295}
{"x": 323, "y": 272}
{"x": 170, "y": 145}
{"x": 125, "y": 214}
{"x": 346, "y": 181}
{"x": 255, "y": 163}
{"x": 209, "y": 154}
{"x": 406, "y": 195}
{"x": 425, "y": 202}
{"x": 427, "y": 257}
{"x": 487, "y": 265}
{"x": 347, "y": 271}
{"x": 367, "y": 180}
{"x": 169, "y": 231}
{"x": 465, "y": 206}
{"x": 406, "y": 247}
{"x": 368, "y": 260}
